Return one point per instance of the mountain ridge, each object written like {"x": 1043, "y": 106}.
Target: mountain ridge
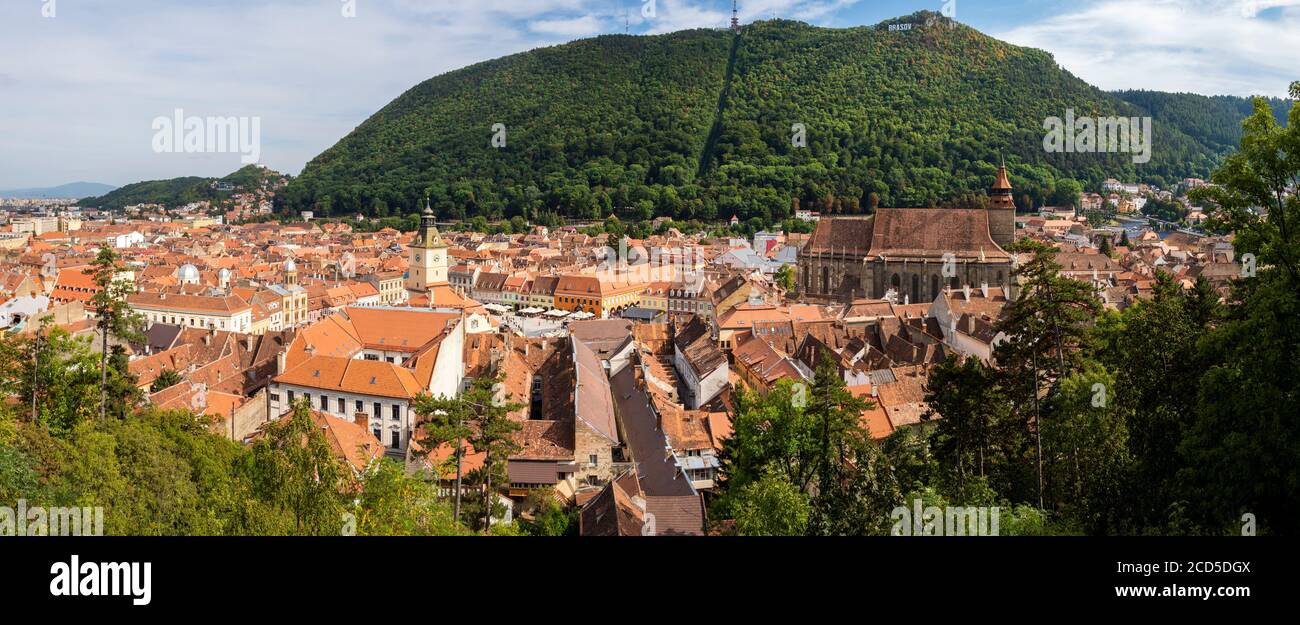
{"x": 70, "y": 190}
{"x": 698, "y": 124}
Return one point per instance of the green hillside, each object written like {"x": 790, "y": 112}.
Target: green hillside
{"x": 699, "y": 124}
{"x": 175, "y": 192}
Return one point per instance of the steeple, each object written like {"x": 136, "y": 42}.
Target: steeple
{"x": 428, "y": 236}
{"x": 1002, "y": 209}
{"x": 1000, "y": 192}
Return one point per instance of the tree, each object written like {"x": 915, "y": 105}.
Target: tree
{"x": 293, "y": 468}
{"x": 1088, "y": 446}
{"x": 167, "y": 378}
{"x": 112, "y": 314}
{"x": 785, "y": 278}
{"x": 1045, "y": 326}
{"x": 446, "y": 422}
{"x": 494, "y": 436}
{"x": 394, "y": 503}
{"x": 479, "y": 422}
{"x": 547, "y": 516}
{"x": 771, "y": 506}
{"x": 1239, "y": 451}
{"x": 968, "y": 406}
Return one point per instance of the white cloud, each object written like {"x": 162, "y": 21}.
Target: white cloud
{"x": 1201, "y": 46}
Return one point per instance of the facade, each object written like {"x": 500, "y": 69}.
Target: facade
{"x": 915, "y": 252}
{"x": 389, "y": 285}
{"x": 376, "y": 393}
{"x": 228, "y": 312}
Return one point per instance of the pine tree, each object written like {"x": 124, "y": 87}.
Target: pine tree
{"x": 112, "y": 314}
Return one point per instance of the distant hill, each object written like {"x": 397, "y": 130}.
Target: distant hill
{"x": 917, "y": 110}
{"x": 63, "y": 191}
{"x": 1214, "y": 121}
{"x": 180, "y": 191}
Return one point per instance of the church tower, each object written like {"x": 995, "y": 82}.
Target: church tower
{"x": 428, "y": 255}
{"x": 290, "y": 272}
{"x": 1002, "y": 210}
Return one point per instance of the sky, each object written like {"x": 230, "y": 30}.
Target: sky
{"x": 83, "y": 81}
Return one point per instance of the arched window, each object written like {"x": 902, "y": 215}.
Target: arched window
{"x": 934, "y": 285}
{"x": 826, "y": 279}
{"x": 916, "y": 288}
{"x": 895, "y": 283}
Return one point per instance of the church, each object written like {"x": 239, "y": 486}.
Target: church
{"x": 916, "y": 252}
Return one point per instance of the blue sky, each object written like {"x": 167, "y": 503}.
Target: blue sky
{"x": 79, "y": 89}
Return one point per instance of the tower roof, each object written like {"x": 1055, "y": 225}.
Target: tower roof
{"x": 1002, "y": 183}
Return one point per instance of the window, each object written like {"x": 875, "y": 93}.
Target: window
{"x": 342, "y": 407}
{"x": 379, "y": 412}
{"x": 378, "y": 435}
{"x": 359, "y": 406}
{"x": 291, "y": 397}
{"x": 397, "y": 438}
{"x": 275, "y": 397}
{"x": 593, "y": 459}
{"x": 397, "y": 412}
{"x": 324, "y": 402}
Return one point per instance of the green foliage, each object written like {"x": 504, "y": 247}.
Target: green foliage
{"x": 771, "y": 506}
{"x": 393, "y": 503}
{"x": 548, "y": 517}
{"x": 167, "y": 378}
{"x": 808, "y": 442}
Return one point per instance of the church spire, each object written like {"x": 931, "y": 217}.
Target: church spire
{"x": 1000, "y": 195}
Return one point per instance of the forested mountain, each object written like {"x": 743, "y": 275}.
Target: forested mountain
{"x": 699, "y": 124}
{"x": 180, "y": 191}
{"x": 1214, "y": 121}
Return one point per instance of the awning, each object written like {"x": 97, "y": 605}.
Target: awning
{"x": 556, "y": 313}
{"x": 530, "y": 311}
{"x": 496, "y": 308}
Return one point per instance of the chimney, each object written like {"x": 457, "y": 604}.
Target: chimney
{"x": 279, "y": 362}
{"x": 362, "y": 419}
{"x": 874, "y": 393}
{"x": 966, "y": 292}
{"x": 249, "y": 343}
{"x": 984, "y": 289}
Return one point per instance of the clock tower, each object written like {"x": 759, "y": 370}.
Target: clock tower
{"x": 427, "y": 255}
